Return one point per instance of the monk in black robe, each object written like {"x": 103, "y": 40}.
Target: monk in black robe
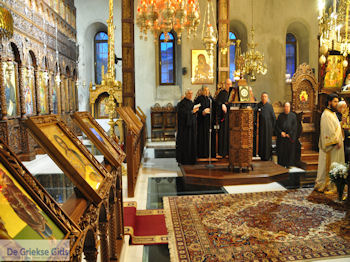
{"x": 222, "y": 118}
{"x": 186, "y": 142}
{"x": 267, "y": 120}
{"x": 286, "y": 131}
{"x": 205, "y": 120}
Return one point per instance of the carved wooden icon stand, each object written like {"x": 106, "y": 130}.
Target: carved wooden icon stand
{"x": 135, "y": 140}
{"x": 94, "y": 207}
{"x": 12, "y": 171}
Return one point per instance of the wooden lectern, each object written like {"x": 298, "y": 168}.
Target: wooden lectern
{"x": 241, "y": 125}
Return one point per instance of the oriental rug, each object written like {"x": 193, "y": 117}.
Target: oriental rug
{"x": 146, "y": 227}
{"x": 269, "y": 226}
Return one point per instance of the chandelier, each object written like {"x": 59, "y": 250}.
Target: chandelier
{"x": 6, "y": 23}
{"x": 159, "y": 16}
{"x": 209, "y": 31}
{"x": 253, "y": 60}
{"x": 333, "y": 36}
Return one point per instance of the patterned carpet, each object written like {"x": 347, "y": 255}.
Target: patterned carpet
{"x": 269, "y": 226}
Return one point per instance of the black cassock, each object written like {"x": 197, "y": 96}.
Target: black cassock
{"x": 286, "y": 146}
{"x": 186, "y": 142}
{"x": 222, "y": 119}
{"x": 267, "y": 120}
{"x": 203, "y": 126}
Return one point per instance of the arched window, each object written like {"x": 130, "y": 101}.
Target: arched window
{"x": 291, "y": 55}
{"x": 101, "y": 55}
{"x": 233, "y": 38}
{"x": 167, "y": 59}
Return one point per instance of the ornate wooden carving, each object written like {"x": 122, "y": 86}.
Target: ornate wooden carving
{"x": 241, "y": 138}
{"x": 128, "y": 53}
{"x": 11, "y": 162}
{"x": 304, "y": 90}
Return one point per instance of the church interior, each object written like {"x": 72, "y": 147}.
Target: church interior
{"x": 174, "y": 130}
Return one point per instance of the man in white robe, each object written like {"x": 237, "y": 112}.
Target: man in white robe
{"x": 330, "y": 145}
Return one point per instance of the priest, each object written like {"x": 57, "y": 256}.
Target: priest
{"x": 286, "y": 131}
{"x": 205, "y": 120}
{"x": 267, "y": 120}
{"x": 331, "y": 148}
{"x": 186, "y": 142}
{"x": 222, "y": 118}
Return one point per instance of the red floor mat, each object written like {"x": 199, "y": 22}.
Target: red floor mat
{"x": 146, "y": 227}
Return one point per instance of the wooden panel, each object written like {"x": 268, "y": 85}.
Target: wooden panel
{"x": 241, "y": 137}
{"x": 128, "y": 52}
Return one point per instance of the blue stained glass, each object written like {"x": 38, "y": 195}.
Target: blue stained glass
{"x": 101, "y": 36}
{"x": 167, "y": 60}
{"x": 101, "y": 47}
{"x": 290, "y": 54}
{"x": 232, "y": 60}
{"x": 162, "y": 36}
{"x": 232, "y": 36}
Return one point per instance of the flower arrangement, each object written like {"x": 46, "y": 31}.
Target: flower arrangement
{"x": 338, "y": 171}
{"x": 338, "y": 174}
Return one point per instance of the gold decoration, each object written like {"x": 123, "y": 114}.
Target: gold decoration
{"x": 209, "y": 31}
{"x": 163, "y": 16}
{"x": 6, "y": 23}
{"x": 253, "y": 59}
{"x": 331, "y": 24}
{"x": 109, "y": 84}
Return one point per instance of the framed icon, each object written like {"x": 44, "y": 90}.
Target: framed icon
{"x": 202, "y": 67}
{"x": 27, "y": 211}
{"x": 10, "y": 77}
{"x": 106, "y": 145}
{"x": 69, "y": 153}
{"x": 244, "y": 94}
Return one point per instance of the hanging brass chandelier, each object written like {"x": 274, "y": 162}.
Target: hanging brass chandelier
{"x": 333, "y": 35}
{"x": 253, "y": 59}
{"x": 209, "y": 30}
{"x": 159, "y": 16}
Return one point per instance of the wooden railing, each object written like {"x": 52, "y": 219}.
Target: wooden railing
{"x": 134, "y": 142}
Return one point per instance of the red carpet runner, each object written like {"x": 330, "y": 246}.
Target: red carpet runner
{"x": 146, "y": 227}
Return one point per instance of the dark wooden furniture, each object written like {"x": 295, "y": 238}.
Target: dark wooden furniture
{"x": 135, "y": 142}
{"x": 163, "y": 123}
{"x": 241, "y": 126}
{"x": 220, "y": 175}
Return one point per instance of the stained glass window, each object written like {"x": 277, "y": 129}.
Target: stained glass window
{"x": 291, "y": 53}
{"x": 167, "y": 59}
{"x": 101, "y": 55}
{"x": 232, "y": 37}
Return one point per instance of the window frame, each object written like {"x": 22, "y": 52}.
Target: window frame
{"x": 295, "y": 44}
{"x": 95, "y": 58}
{"x": 160, "y": 41}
